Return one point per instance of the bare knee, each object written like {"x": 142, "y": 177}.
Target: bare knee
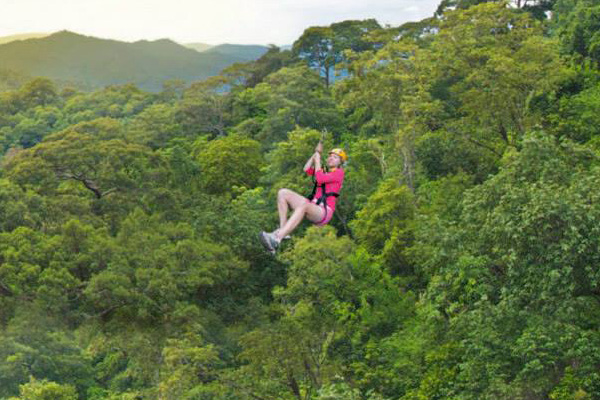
{"x": 283, "y": 194}
{"x": 302, "y": 207}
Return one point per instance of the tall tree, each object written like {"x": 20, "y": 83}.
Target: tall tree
{"x": 577, "y": 25}
{"x": 205, "y": 107}
{"x": 323, "y": 47}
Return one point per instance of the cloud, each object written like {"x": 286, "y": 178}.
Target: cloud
{"x": 233, "y": 21}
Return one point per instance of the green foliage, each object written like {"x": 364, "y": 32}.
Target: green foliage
{"x": 372, "y": 98}
{"x": 515, "y": 288}
{"x": 289, "y": 97}
{"x": 323, "y": 47}
{"x": 383, "y": 225}
{"x": 44, "y": 390}
{"x": 20, "y": 208}
{"x": 154, "y": 126}
{"x": 10, "y": 80}
{"x": 577, "y": 23}
{"x": 229, "y": 162}
{"x": 569, "y": 388}
{"x": 251, "y": 74}
{"x": 205, "y": 108}
{"x": 38, "y": 92}
{"x": 34, "y": 345}
{"x": 285, "y": 161}
{"x": 113, "y": 102}
{"x": 486, "y": 63}
{"x": 461, "y": 262}
{"x": 443, "y": 153}
{"x": 577, "y": 115}
{"x": 188, "y": 364}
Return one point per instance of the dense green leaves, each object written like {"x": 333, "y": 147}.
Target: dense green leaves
{"x": 230, "y": 162}
{"x": 288, "y": 97}
{"x": 461, "y": 262}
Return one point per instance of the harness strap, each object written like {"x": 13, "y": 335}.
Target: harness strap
{"x": 314, "y": 191}
{"x": 324, "y": 194}
{"x": 323, "y": 199}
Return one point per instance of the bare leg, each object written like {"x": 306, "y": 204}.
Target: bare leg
{"x": 287, "y": 198}
{"x": 282, "y": 206}
{"x": 302, "y": 208}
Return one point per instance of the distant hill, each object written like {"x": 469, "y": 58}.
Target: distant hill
{"x": 22, "y": 36}
{"x": 10, "y": 80}
{"x": 198, "y": 46}
{"x": 240, "y": 51}
{"x": 91, "y": 62}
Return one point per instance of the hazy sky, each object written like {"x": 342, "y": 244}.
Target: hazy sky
{"x": 209, "y": 21}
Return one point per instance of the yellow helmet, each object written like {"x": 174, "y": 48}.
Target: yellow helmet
{"x": 340, "y": 153}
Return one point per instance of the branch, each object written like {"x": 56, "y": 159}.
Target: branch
{"x": 109, "y": 191}
{"x": 243, "y": 389}
{"x": 91, "y": 186}
{"x": 339, "y": 215}
{"x": 485, "y": 146}
{"x": 104, "y": 313}
{"x": 5, "y": 290}
{"x": 88, "y": 183}
{"x": 293, "y": 385}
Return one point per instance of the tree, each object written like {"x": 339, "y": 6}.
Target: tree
{"x": 577, "y": 24}
{"x": 322, "y": 47}
{"x": 38, "y": 92}
{"x": 250, "y": 74}
{"x": 512, "y": 278}
{"x": 90, "y": 154}
{"x": 228, "y": 162}
{"x": 151, "y": 302}
{"x": 205, "y": 108}
{"x": 537, "y": 8}
{"x": 44, "y": 390}
{"x": 336, "y": 306}
{"x": 19, "y": 208}
{"x": 285, "y": 161}
{"x": 287, "y": 98}
{"x": 189, "y": 364}
{"x": 383, "y": 225}
{"x": 316, "y": 47}
{"x": 113, "y": 101}
{"x": 490, "y": 54}
{"x": 33, "y": 345}
{"x": 154, "y": 126}
{"x": 576, "y": 117}
{"x": 292, "y": 353}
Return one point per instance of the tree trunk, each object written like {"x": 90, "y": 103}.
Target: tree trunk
{"x": 408, "y": 155}
{"x": 293, "y": 385}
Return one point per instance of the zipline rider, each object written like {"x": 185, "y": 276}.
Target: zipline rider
{"x": 318, "y": 207}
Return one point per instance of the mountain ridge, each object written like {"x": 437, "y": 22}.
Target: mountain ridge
{"x": 91, "y": 62}
{"x": 22, "y": 36}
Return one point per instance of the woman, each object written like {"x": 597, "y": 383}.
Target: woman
{"x": 319, "y": 207}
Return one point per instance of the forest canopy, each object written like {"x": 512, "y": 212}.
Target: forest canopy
{"x": 462, "y": 262}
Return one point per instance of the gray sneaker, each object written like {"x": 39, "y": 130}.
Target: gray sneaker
{"x": 268, "y": 240}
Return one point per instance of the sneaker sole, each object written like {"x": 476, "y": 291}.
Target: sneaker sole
{"x": 265, "y": 242}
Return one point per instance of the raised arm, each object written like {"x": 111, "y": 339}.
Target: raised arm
{"x": 309, "y": 163}
{"x": 317, "y": 155}
{"x": 315, "y": 159}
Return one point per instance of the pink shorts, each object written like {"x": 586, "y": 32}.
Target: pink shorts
{"x": 328, "y": 213}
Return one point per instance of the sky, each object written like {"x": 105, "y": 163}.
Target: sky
{"x": 278, "y": 22}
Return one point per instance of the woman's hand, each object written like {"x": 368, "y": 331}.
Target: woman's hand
{"x": 317, "y": 160}
{"x": 319, "y": 148}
